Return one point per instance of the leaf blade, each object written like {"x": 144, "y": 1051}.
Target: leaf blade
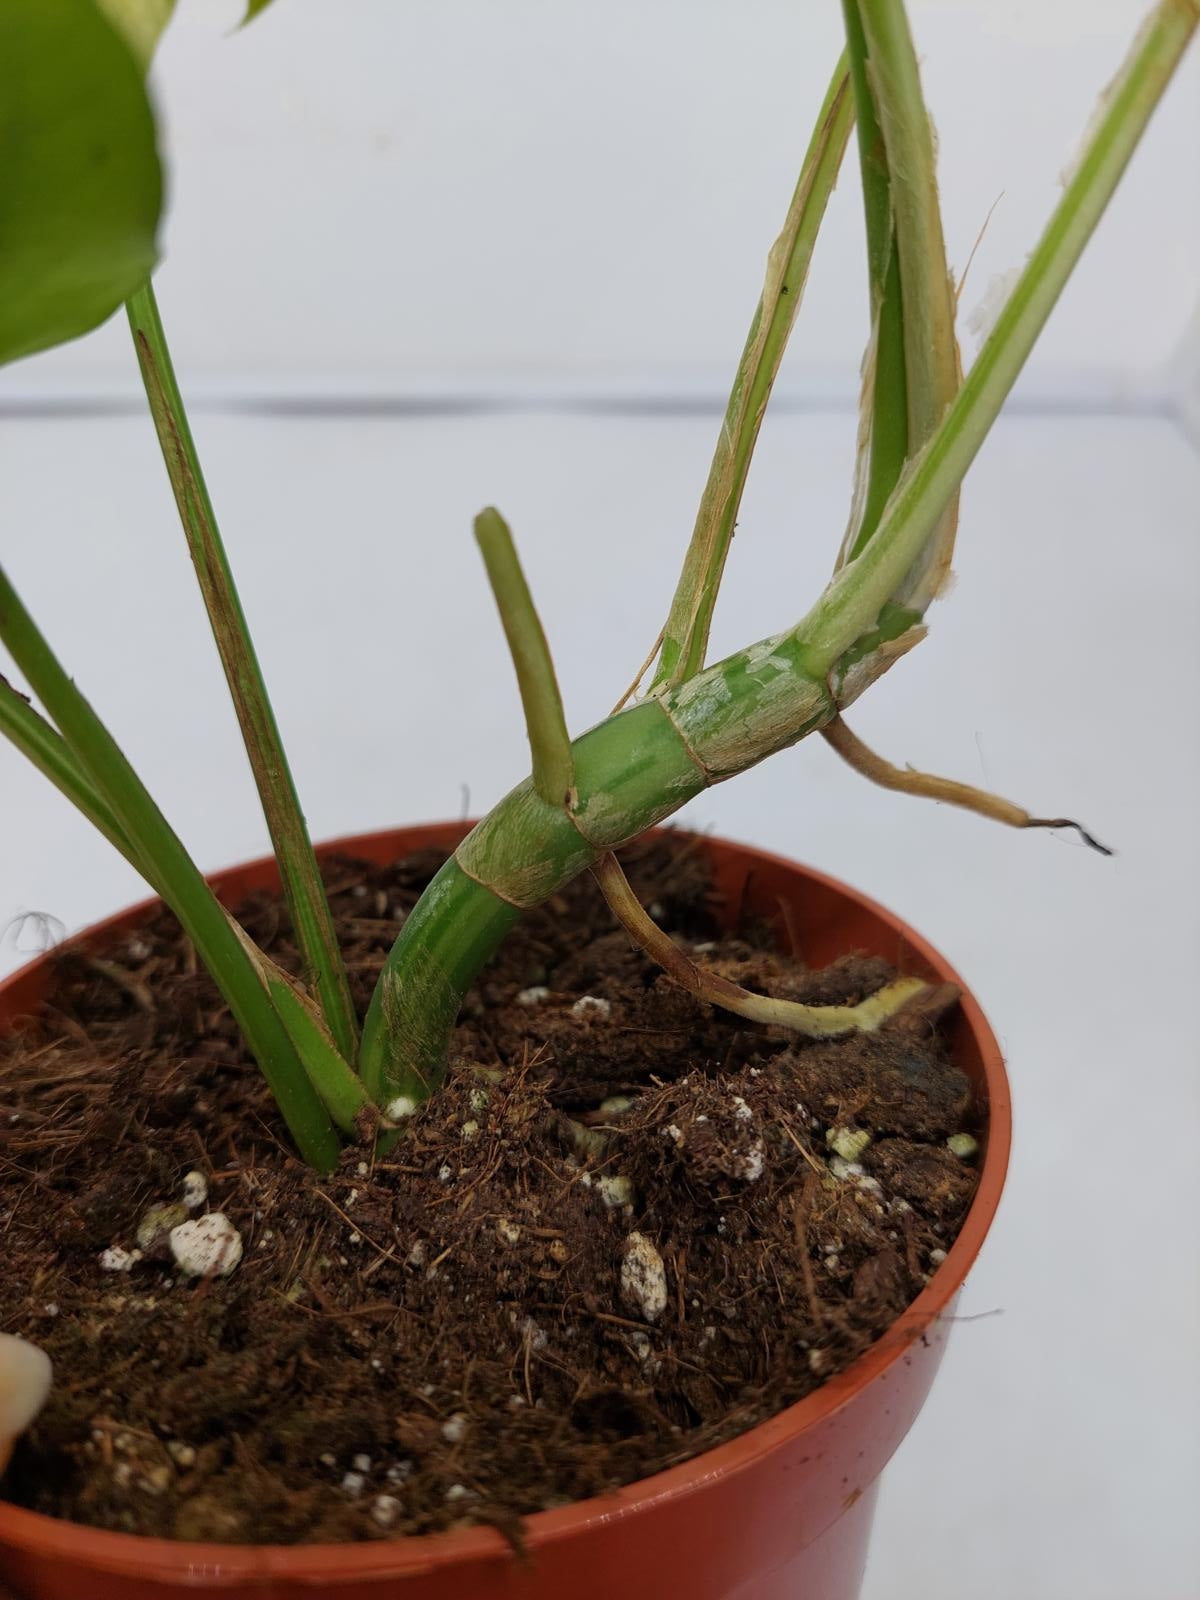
{"x": 141, "y": 22}
{"x": 80, "y": 185}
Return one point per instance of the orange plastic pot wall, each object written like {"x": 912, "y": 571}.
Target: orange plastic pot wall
{"x": 783, "y": 1513}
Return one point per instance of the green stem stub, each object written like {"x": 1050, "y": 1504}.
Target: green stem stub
{"x": 549, "y": 741}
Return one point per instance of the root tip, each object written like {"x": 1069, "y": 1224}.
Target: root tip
{"x": 1089, "y": 839}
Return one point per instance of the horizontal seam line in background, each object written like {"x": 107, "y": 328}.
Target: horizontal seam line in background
{"x": 472, "y": 404}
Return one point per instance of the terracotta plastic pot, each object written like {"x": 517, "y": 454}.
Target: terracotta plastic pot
{"x": 782, "y": 1513}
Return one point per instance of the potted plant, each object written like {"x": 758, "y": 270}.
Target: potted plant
{"x": 542, "y": 1274}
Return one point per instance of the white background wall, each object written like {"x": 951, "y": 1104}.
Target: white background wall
{"x": 467, "y": 192}
{"x": 377, "y": 200}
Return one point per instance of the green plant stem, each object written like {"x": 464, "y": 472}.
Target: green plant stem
{"x": 853, "y": 603}
{"x": 47, "y": 750}
{"x": 646, "y": 761}
{"x": 685, "y": 637}
{"x": 883, "y": 433}
{"x": 926, "y": 293}
{"x": 872, "y": 154}
{"x": 338, "y": 1086}
{"x": 912, "y": 358}
{"x": 631, "y": 771}
{"x": 453, "y": 929}
{"x": 175, "y": 875}
{"x": 545, "y": 724}
{"x": 300, "y": 874}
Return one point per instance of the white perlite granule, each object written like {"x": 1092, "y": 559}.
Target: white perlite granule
{"x": 749, "y": 1167}
{"x": 114, "y": 1259}
{"x": 454, "y": 1429}
{"x": 590, "y": 1005}
{"x": 643, "y": 1277}
{"x": 207, "y": 1246}
{"x": 615, "y": 1191}
{"x": 845, "y": 1169}
{"x": 385, "y": 1511}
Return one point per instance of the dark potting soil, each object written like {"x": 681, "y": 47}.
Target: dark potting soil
{"x": 618, "y": 1238}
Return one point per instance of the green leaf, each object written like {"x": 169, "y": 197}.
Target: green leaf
{"x": 141, "y": 22}
{"x": 253, "y": 7}
{"x": 80, "y": 182}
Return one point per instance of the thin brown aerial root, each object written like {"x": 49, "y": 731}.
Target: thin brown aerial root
{"x": 964, "y": 795}
{"x": 814, "y": 1022}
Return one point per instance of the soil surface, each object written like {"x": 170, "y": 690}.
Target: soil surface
{"x": 619, "y": 1237}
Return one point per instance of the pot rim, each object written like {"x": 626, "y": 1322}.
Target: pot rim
{"x": 130, "y": 1554}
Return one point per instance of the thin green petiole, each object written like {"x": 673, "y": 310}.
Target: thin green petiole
{"x": 338, "y": 1086}
{"x": 853, "y": 602}
{"x": 300, "y": 874}
{"x": 336, "y": 1082}
{"x": 685, "y": 637}
{"x": 883, "y": 430}
{"x": 926, "y": 293}
{"x": 175, "y": 875}
{"x": 912, "y": 368}
{"x": 47, "y": 750}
